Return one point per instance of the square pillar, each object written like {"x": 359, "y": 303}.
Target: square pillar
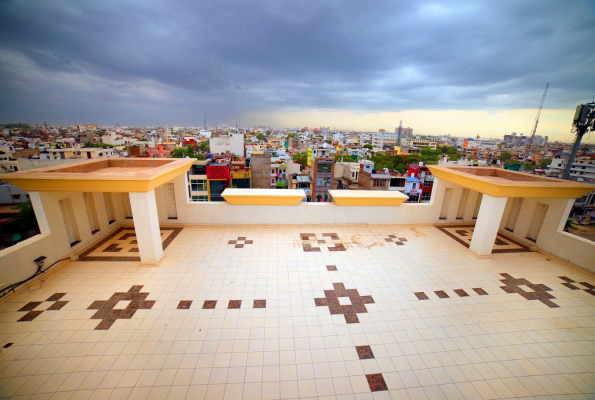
{"x": 486, "y": 227}
{"x": 42, "y": 219}
{"x": 146, "y": 226}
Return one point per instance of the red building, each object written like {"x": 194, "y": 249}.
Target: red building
{"x": 426, "y": 178}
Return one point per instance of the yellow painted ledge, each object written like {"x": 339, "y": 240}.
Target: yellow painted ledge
{"x": 103, "y": 175}
{"x": 264, "y": 197}
{"x": 368, "y": 197}
{"x": 504, "y": 183}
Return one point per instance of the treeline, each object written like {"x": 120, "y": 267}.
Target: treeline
{"x": 401, "y": 162}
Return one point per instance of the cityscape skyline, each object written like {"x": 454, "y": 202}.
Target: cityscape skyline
{"x": 444, "y": 67}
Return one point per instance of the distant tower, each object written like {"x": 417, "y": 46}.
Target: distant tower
{"x": 399, "y": 133}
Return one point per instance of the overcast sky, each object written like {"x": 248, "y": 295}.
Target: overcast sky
{"x": 443, "y": 67}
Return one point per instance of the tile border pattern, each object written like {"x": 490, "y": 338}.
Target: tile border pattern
{"x": 500, "y": 239}
{"x": 108, "y": 314}
{"x": 113, "y": 248}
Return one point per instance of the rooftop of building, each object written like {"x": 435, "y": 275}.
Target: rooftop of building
{"x": 303, "y": 312}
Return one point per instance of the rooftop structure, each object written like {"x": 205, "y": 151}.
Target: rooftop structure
{"x": 477, "y": 294}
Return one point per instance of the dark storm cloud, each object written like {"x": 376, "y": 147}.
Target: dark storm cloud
{"x": 153, "y": 61}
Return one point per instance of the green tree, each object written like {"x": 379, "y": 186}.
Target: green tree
{"x": 506, "y": 156}
{"x": 345, "y": 157}
{"x": 260, "y": 136}
{"x": 368, "y": 146}
{"x": 26, "y": 218}
{"x": 545, "y": 162}
{"x": 204, "y": 146}
{"x": 190, "y": 150}
{"x": 199, "y": 156}
{"x": 302, "y": 159}
{"x": 178, "y": 153}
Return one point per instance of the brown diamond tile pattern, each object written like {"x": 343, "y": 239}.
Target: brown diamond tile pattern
{"x": 32, "y": 313}
{"x": 234, "y": 304}
{"x": 184, "y": 305}
{"x": 441, "y": 294}
{"x": 331, "y": 267}
{"x": 461, "y": 292}
{"x": 260, "y": 304}
{"x": 480, "y": 291}
{"x": 350, "y": 311}
{"x": 421, "y": 296}
{"x": 311, "y": 243}
{"x": 376, "y": 382}
{"x": 394, "y": 239}
{"x": 209, "y": 304}
{"x": 364, "y": 352}
{"x": 539, "y": 291}
{"x": 569, "y": 284}
{"x": 240, "y": 242}
{"x": 122, "y": 245}
{"x": 108, "y": 314}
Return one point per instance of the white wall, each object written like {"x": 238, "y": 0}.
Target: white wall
{"x": 16, "y": 262}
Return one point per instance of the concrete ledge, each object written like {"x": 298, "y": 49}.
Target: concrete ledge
{"x": 268, "y": 197}
{"x": 367, "y": 197}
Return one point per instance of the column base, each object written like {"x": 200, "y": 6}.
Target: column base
{"x": 479, "y": 256}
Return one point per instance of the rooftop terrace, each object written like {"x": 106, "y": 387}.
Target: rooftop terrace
{"x": 305, "y": 312}
{"x": 479, "y": 293}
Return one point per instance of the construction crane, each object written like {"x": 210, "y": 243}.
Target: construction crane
{"x": 584, "y": 119}
{"x": 530, "y": 141}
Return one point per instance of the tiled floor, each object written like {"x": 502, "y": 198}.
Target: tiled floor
{"x": 217, "y": 321}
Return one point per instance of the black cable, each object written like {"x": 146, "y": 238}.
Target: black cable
{"x": 39, "y": 271}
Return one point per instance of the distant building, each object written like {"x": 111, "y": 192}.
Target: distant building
{"x": 234, "y": 143}
{"x": 321, "y": 175}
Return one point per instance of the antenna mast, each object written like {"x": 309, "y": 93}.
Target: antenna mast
{"x": 530, "y": 141}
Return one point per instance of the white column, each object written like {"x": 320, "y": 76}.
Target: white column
{"x": 146, "y": 226}
{"x": 486, "y": 227}
{"x": 42, "y": 220}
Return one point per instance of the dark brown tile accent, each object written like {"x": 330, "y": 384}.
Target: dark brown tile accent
{"x": 57, "y": 305}
{"x": 376, "y": 382}
{"x": 441, "y": 294}
{"x": 184, "y": 305}
{"x": 421, "y": 296}
{"x": 209, "y": 304}
{"x": 231, "y": 242}
{"x": 134, "y": 242}
{"x": 402, "y": 239}
{"x": 480, "y": 291}
{"x": 56, "y": 296}
{"x": 587, "y": 285}
{"x": 540, "y": 291}
{"x": 340, "y": 289}
{"x": 564, "y": 278}
{"x": 394, "y": 239}
{"x": 364, "y": 352}
{"x": 234, "y": 304}
{"x": 260, "y": 304}
{"x": 30, "y": 316}
{"x": 239, "y": 246}
{"x": 112, "y": 248}
{"x": 133, "y": 250}
{"x": 331, "y": 267}
{"x": 522, "y": 248}
{"x": 590, "y": 291}
{"x": 127, "y": 236}
{"x": 571, "y": 286}
{"x": 333, "y": 236}
{"x": 337, "y": 247}
{"x": 107, "y": 313}
{"x": 350, "y": 312}
{"x": 461, "y": 292}
{"x": 241, "y": 237}
{"x": 307, "y": 236}
{"x": 392, "y": 236}
{"x": 30, "y": 306}
{"x": 368, "y": 300}
{"x": 7, "y": 345}
{"x": 249, "y": 241}
{"x": 319, "y": 302}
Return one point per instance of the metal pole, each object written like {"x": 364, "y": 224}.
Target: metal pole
{"x": 579, "y": 136}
